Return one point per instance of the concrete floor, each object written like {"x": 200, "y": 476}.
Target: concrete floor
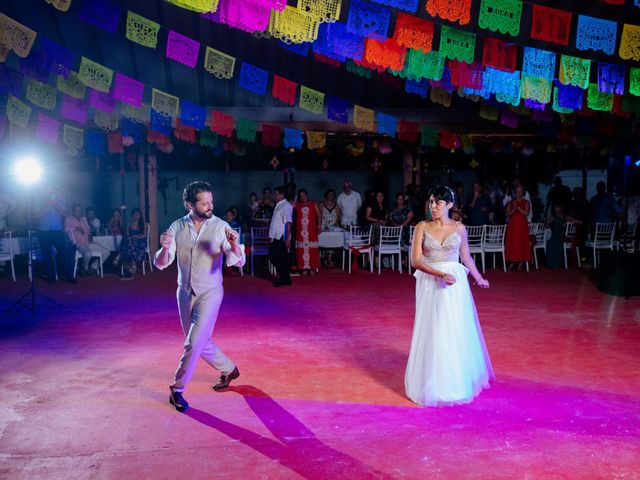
{"x": 321, "y": 396}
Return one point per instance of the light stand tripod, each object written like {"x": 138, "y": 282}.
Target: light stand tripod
{"x": 28, "y": 300}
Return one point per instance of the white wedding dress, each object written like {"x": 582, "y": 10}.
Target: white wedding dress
{"x": 448, "y": 363}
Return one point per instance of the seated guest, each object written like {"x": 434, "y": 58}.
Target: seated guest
{"x": 376, "y": 212}
{"x": 136, "y": 243}
{"x": 115, "y": 223}
{"x": 93, "y": 221}
{"x": 604, "y": 207}
{"x": 252, "y": 207}
{"x": 401, "y": 215}
{"x": 79, "y": 232}
{"x": 478, "y": 206}
{"x": 554, "y": 253}
{"x": 266, "y": 205}
{"x": 329, "y": 211}
{"x": 231, "y": 219}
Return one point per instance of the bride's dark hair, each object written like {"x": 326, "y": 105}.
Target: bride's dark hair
{"x": 442, "y": 192}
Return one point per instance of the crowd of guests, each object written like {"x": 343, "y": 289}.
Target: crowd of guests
{"x": 509, "y": 203}
{"x": 62, "y": 231}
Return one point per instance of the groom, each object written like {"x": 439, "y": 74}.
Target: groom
{"x": 200, "y": 241}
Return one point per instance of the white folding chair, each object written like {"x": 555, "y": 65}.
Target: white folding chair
{"x": 359, "y": 240}
{"x": 389, "y": 244}
{"x": 494, "y": 243}
{"x": 260, "y": 243}
{"x": 94, "y": 254}
{"x": 407, "y": 248}
{"x": 537, "y": 230}
{"x": 570, "y": 234}
{"x": 6, "y": 252}
{"x": 602, "y": 239}
{"x": 475, "y": 239}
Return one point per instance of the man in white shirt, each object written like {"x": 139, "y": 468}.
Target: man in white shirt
{"x": 280, "y": 234}
{"x": 200, "y": 240}
{"x": 350, "y": 203}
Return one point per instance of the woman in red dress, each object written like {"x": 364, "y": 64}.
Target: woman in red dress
{"x": 518, "y": 249}
{"x": 308, "y": 220}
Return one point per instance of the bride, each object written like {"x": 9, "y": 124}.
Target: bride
{"x": 448, "y": 362}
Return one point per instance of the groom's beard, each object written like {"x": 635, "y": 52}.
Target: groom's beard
{"x": 203, "y": 215}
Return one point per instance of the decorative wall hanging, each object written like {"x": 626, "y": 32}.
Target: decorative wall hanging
{"x": 498, "y": 54}
{"x": 74, "y": 109}
{"x": 284, "y": 90}
{"x": 343, "y": 43}
{"x": 36, "y": 66}
{"x": 556, "y": 105}
{"x": 387, "y": 124}
{"x": 249, "y": 15}
{"x": 11, "y": 81}
{"x": 101, "y": 101}
{"x": 413, "y": 32}
{"x": 114, "y": 142}
{"x": 292, "y": 138}
{"x": 363, "y": 118}
{"x": 451, "y": 10}
{"x": 630, "y": 43}
{"x": 293, "y": 26}
{"x": 316, "y": 140}
{"x": 311, "y": 100}
{"x": 185, "y": 133}
{"x": 440, "y": 96}
{"x": 71, "y": 85}
{"x": 611, "y": 78}
{"x": 501, "y": 16}
{"x": 103, "y": 14}
{"x": 574, "y": 71}
{"x": 505, "y": 85}
{"x": 73, "y": 137}
{"x": 407, "y": 5}
{"x": 368, "y": 20}
{"x": 536, "y": 88}
{"x": 424, "y": 65}
{"x": 48, "y": 128}
{"x": 182, "y": 49}
{"x": 597, "y": 100}
{"x": 550, "y": 24}
{"x": 253, "y": 79}
{"x": 18, "y": 112}
{"x": 408, "y": 131}
{"x": 15, "y": 36}
{"x": 142, "y": 30}
{"x": 106, "y": 121}
{"x": 192, "y": 115}
{"x": 634, "y": 81}
{"x": 596, "y": 34}
{"x": 538, "y": 63}
{"x": 164, "y": 103}
{"x": 135, "y": 114}
{"x": 95, "y": 142}
{"x": 428, "y": 136}
{"x": 62, "y": 5}
{"x": 61, "y": 58}
{"x": 219, "y": 64}
{"x": 337, "y": 110}
{"x": 466, "y": 75}
{"x": 420, "y": 87}
{"x": 127, "y": 90}
{"x": 246, "y": 130}
{"x": 41, "y": 94}
{"x": 222, "y": 123}
{"x": 322, "y": 10}
{"x": 271, "y": 135}
{"x": 457, "y": 44}
{"x": 489, "y": 112}
{"x": 200, "y": 6}
{"x": 301, "y": 49}
{"x": 159, "y": 122}
{"x": 94, "y": 75}
{"x": 387, "y": 54}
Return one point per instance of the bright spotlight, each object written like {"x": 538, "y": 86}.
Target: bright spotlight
{"x": 28, "y": 170}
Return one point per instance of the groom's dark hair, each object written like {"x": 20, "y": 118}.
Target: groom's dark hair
{"x": 191, "y": 191}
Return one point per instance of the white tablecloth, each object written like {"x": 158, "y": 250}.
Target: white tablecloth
{"x": 110, "y": 242}
{"x": 331, "y": 239}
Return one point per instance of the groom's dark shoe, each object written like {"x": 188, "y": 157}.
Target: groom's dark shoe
{"x": 177, "y": 400}
{"x": 225, "y": 380}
